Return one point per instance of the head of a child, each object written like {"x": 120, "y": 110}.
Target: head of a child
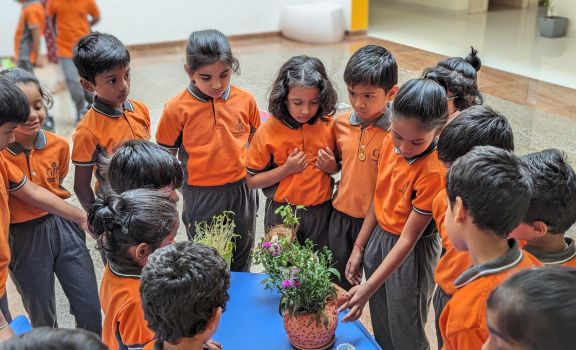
{"x": 534, "y": 309}
{"x": 209, "y": 62}
{"x": 47, "y": 338}
{"x": 184, "y": 291}
{"x": 475, "y": 126}
{"x": 488, "y": 190}
{"x": 103, "y": 64}
{"x": 14, "y": 110}
{"x": 142, "y": 164}
{"x": 133, "y": 224}
{"x": 302, "y": 92}
{"x": 419, "y": 112}
{"x": 38, "y": 99}
{"x": 371, "y": 77}
{"x": 459, "y": 77}
{"x": 552, "y": 209}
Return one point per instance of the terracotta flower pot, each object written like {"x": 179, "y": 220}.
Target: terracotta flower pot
{"x": 305, "y": 334}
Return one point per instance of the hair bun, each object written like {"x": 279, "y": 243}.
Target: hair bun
{"x": 473, "y": 59}
{"x": 104, "y": 212}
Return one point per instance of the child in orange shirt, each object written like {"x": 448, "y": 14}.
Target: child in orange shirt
{"x": 397, "y": 244}
{"x": 533, "y": 309}
{"x": 210, "y": 124}
{"x": 176, "y": 305}
{"x": 458, "y": 76}
{"x": 488, "y": 192}
{"x": 30, "y": 30}
{"x": 294, "y": 151}
{"x": 475, "y": 126}
{"x": 371, "y": 76}
{"x": 44, "y": 245}
{"x": 552, "y": 209}
{"x": 104, "y": 66}
{"x": 129, "y": 226}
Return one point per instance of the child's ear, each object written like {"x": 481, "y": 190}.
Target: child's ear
{"x": 142, "y": 252}
{"x": 87, "y": 85}
{"x": 392, "y": 93}
{"x": 539, "y": 229}
{"x": 460, "y": 212}
{"x": 215, "y": 320}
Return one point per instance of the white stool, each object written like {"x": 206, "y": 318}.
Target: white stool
{"x": 321, "y": 23}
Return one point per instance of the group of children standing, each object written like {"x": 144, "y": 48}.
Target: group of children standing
{"x": 415, "y": 160}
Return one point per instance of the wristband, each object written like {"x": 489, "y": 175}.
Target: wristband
{"x": 359, "y": 246}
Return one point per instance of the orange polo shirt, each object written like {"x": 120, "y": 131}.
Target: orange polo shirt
{"x": 566, "y": 257}
{"x": 108, "y": 128}
{"x": 31, "y": 17}
{"x": 124, "y": 324}
{"x": 273, "y": 143}
{"x": 211, "y": 134}
{"x": 463, "y": 321}
{"x": 404, "y": 185}
{"x": 359, "y": 146}
{"x": 71, "y": 22}
{"x": 11, "y": 179}
{"x": 454, "y": 262}
{"x": 46, "y": 165}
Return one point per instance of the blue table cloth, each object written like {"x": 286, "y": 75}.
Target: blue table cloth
{"x": 251, "y": 320}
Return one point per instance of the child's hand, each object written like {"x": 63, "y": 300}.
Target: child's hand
{"x": 296, "y": 162}
{"x": 326, "y": 161}
{"x": 358, "y": 297}
{"x": 354, "y": 267}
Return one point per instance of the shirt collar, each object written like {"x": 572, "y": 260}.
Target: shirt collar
{"x": 110, "y": 111}
{"x": 39, "y": 143}
{"x": 558, "y": 258}
{"x": 429, "y": 150}
{"x": 199, "y": 95}
{"x": 383, "y": 122}
{"x": 130, "y": 271}
{"x": 512, "y": 258}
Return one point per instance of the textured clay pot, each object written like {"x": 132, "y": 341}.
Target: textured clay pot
{"x": 305, "y": 334}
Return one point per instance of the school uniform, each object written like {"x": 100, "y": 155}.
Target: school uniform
{"x": 403, "y": 185}
{"x": 312, "y": 187}
{"x": 124, "y": 324}
{"x": 451, "y": 265}
{"x": 11, "y": 179}
{"x": 359, "y": 145}
{"x": 566, "y": 257}
{"x": 43, "y": 244}
{"x": 32, "y": 18}
{"x": 463, "y": 321}
{"x": 211, "y": 137}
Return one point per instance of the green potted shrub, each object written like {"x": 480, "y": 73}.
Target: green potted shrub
{"x": 551, "y": 26}
{"x": 218, "y": 234}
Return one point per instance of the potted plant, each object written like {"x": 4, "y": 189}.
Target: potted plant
{"x": 302, "y": 277}
{"x": 290, "y": 222}
{"x": 551, "y": 26}
{"x": 218, "y": 234}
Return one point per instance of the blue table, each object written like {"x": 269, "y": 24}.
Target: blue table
{"x": 252, "y": 321}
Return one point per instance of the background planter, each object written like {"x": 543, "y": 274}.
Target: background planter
{"x": 228, "y": 254}
{"x": 304, "y": 333}
{"x": 552, "y": 26}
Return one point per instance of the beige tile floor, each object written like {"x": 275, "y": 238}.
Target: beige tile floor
{"x": 157, "y": 75}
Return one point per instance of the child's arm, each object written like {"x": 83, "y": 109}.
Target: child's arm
{"x": 359, "y": 295}
{"x": 82, "y": 188}
{"x": 354, "y": 266}
{"x": 42, "y": 198}
{"x": 295, "y": 163}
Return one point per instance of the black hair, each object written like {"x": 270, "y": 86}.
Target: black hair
{"x": 97, "y": 53}
{"x": 494, "y": 186}
{"x": 140, "y": 164}
{"x": 475, "y": 126}
{"x": 372, "y": 65}
{"x": 536, "y": 308}
{"x": 302, "y": 71}
{"x": 182, "y": 285}
{"x": 422, "y": 100}
{"x": 14, "y": 105}
{"x": 553, "y": 196}
{"x": 458, "y": 75}
{"x": 130, "y": 218}
{"x": 205, "y": 47}
{"x": 21, "y": 76}
{"x": 47, "y": 338}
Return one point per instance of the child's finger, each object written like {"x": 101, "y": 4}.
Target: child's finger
{"x": 294, "y": 152}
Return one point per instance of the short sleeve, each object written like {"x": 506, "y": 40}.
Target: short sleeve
{"x": 466, "y": 339}
{"x": 425, "y": 189}
{"x": 93, "y": 9}
{"x": 64, "y": 159}
{"x": 84, "y": 145}
{"x": 254, "y": 117}
{"x": 16, "y": 178}
{"x": 259, "y": 157}
{"x": 169, "y": 131}
{"x": 35, "y": 19}
{"x": 133, "y": 328}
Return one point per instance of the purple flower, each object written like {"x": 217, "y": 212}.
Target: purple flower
{"x": 296, "y": 284}
{"x": 266, "y": 245}
{"x": 286, "y": 284}
{"x": 275, "y": 249}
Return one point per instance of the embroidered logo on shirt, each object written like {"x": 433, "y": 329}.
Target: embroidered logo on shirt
{"x": 53, "y": 173}
{"x": 403, "y": 189}
{"x": 239, "y": 128}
